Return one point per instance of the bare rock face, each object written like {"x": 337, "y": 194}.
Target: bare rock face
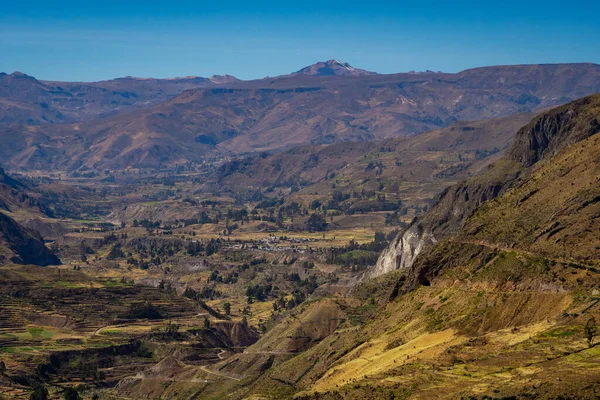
{"x": 403, "y": 251}
{"x": 551, "y": 132}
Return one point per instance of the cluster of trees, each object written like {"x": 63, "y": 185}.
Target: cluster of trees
{"x": 230, "y": 278}
{"x": 316, "y": 223}
{"x": 115, "y": 252}
{"x": 378, "y": 166}
{"x": 258, "y": 261}
{"x": 304, "y": 288}
{"x": 41, "y": 393}
{"x": 207, "y": 292}
{"x": 394, "y": 218}
{"x": 357, "y": 202}
{"x": 196, "y": 247}
{"x": 359, "y": 255}
{"x": 146, "y": 223}
{"x": 379, "y": 204}
{"x": 270, "y": 203}
{"x": 203, "y": 218}
{"x": 281, "y": 304}
{"x": 157, "y": 250}
{"x": 258, "y": 292}
{"x": 142, "y": 311}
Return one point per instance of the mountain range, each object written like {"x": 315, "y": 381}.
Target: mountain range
{"x": 26, "y": 100}
{"x": 149, "y": 123}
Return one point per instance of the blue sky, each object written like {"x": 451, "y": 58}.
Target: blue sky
{"x": 95, "y": 40}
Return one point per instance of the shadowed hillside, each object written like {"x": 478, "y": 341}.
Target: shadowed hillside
{"x": 20, "y": 245}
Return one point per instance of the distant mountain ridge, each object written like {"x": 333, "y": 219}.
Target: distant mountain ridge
{"x": 26, "y": 100}
{"x": 273, "y": 114}
{"x": 333, "y": 67}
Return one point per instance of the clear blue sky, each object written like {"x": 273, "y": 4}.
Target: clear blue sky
{"x": 94, "y": 40}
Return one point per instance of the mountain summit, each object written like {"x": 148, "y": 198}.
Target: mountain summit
{"x": 333, "y": 67}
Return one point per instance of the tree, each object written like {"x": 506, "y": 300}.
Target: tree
{"x": 39, "y": 393}
{"x": 115, "y": 252}
{"x": 245, "y": 321}
{"x": 143, "y": 311}
{"x": 71, "y": 394}
{"x": 54, "y": 248}
{"x": 227, "y": 308}
{"x": 379, "y": 237}
{"x": 316, "y": 223}
{"x": 206, "y": 323}
{"x": 591, "y": 330}
{"x": 172, "y": 329}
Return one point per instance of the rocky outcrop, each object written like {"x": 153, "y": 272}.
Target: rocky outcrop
{"x": 542, "y": 138}
{"x": 551, "y": 132}
{"x": 20, "y": 245}
{"x": 402, "y": 251}
{"x": 453, "y": 206}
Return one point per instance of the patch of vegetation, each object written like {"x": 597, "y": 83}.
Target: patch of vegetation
{"x": 142, "y": 311}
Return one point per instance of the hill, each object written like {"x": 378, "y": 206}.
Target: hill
{"x": 543, "y": 137}
{"x": 274, "y": 114}
{"x": 441, "y": 153}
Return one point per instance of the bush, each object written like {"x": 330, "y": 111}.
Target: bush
{"x": 143, "y": 351}
{"x": 71, "y": 394}
{"x": 39, "y": 393}
{"x": 143, "y": 311}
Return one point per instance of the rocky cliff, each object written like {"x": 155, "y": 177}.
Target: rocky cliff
{"x": 543, "y": 137}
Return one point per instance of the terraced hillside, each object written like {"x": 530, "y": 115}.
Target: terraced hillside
{"x": 61, "y": 328}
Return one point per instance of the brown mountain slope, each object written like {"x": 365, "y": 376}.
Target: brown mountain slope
{"x": 278, "y": 113}
{"x": 430, "y": 160}
{"x": 542, "y": 138}
{"x": 17, "y": 198}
